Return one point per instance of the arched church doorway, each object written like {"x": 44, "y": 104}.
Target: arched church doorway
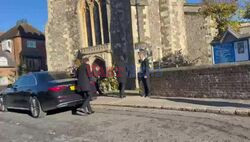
{"x": 101, "y": 66}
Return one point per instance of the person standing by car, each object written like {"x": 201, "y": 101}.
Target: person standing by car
{"x": 144, "y": 73}
{"x": 84, "y": 85}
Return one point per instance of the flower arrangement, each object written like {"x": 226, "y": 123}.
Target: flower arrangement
{"x": 109, "y": 83}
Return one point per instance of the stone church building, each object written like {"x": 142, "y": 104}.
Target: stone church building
{"x": 104, "y": 30}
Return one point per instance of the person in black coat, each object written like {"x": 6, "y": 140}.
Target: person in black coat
{"x": 144, "y": 74}
{"x": 121, "y": 74}
{"x": 97, "y": 78}
{"x": 84, "y": 85}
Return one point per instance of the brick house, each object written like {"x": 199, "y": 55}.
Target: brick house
{"x": 22, "y": 45}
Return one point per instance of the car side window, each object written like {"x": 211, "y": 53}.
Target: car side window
{"x": 27, "y": 80}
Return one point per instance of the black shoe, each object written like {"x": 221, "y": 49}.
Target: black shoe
{"x": 90, "y": 112}
{"x": 74, "y": 113}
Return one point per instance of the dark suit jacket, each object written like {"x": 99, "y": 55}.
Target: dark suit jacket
{"x": 122, "y": 73}
{"x": 84, "y": 78}
{"x": 145, "y": 68}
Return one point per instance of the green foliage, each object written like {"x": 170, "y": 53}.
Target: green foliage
{"x": 222, "y": 13}
{"x": 12, "y": 76}
{"x": 175, "y": 59}
{"x": 22, "y": 69}
{"x": 71, "y": 70}
{"x": 110, "y": 83}
{"x": 246, "y": 13}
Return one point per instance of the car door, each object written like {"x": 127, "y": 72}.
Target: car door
{"x": 11, "y": 94}
{"x": 24, "y": 91}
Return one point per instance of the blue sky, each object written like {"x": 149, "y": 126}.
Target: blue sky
{"x": 34, "y": 11}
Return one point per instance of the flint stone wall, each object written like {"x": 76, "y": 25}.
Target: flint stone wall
{"x": 200, "y": 33}
{"x": 62, "y": 34}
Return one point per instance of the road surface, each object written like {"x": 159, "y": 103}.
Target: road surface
{"x": 111, "y": 124}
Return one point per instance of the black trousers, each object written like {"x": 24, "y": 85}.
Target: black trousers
{"x": 146, "y": 86}
{"x": 122, "y": 86}
{"x": 97, "y": 85}
{"x": 86, "y": 104}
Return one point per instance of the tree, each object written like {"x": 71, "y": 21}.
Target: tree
{"x": 22, "y": 69}
{"x": 222, "y": 12}
{"x": 246, "y": 14}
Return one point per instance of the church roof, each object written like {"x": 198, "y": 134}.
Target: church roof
{"x": 23, "y": 30}
{"x": 1, "y": 33}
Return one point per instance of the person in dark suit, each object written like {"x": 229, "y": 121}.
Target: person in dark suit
{"x": 144, "y": 75}
{"x": 84, "y": 85}
{"x": 121, "y": 74}
{"x": 97, "y": 78}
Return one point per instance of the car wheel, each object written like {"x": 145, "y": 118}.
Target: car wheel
{"x": 36, "y": 109}
{"x": 2, "y": 105}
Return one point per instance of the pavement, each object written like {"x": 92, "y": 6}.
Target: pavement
{"x": 217, "y": 106}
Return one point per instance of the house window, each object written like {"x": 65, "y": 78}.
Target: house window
{"x": 240, "y": 47}
{"x": 31, "y": 44}
{"x": 7, "y": 45}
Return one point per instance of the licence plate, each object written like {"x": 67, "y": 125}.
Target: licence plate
{"x": 72, "y": 88}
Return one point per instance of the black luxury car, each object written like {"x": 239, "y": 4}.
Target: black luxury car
{"x": 41, "y": 92}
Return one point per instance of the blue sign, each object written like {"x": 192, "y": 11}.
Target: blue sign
{"x": 224, "y": 53}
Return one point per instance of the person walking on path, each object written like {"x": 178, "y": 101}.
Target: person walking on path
{"x": 84, "y": 85}
{"x": 144, "y": 75}
{"x": 121, "y": 74}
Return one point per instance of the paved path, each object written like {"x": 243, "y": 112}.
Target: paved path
{"x": 221, "y": 106}
{"x": 120, "y": 124}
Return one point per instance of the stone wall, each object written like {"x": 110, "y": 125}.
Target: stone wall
{"x": 173, "y": 33}
{"x": 167, "y": 25}
{"x": 200, "y": 32}
{"x": 155, "y": 29}
{"x": 62, "y": 34}
{"x": 219, "y": 81}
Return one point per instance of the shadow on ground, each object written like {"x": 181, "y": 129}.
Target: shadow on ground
{"x": 112, "y": 95}
{"x": 117, "y": 94}
{"x": 53, "y": 112}
{"x": 210, "y": 103}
